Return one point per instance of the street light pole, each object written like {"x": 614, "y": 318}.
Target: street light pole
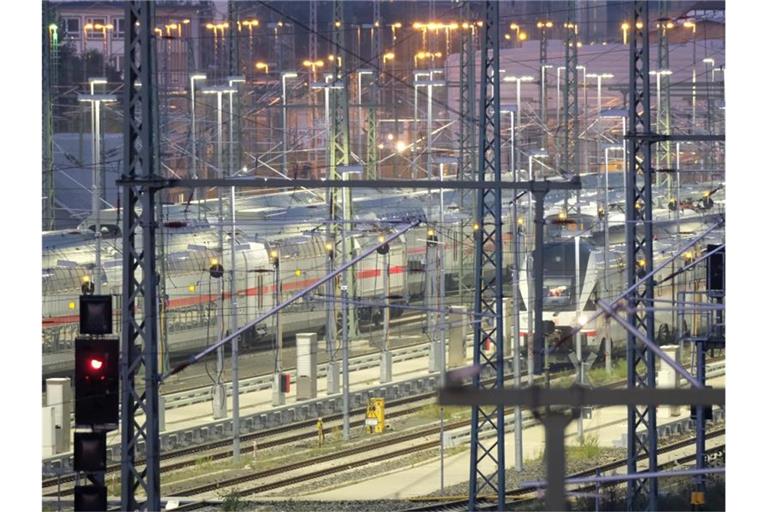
{"x": 360, "y": 120}
{"x": 530, "y": 276}
{"x": 346, "y": 200}
{"x": 278, "y": 396}
{"x": 514, "y": 158}
{"x": 332, "y": 372}
{"x": 196, "y": 192}
{"x": 543, "y": 102}
{"x": 692, "y": 26}
{"x": 599, "y": 77}
{"x": 517, "y": 113}
{"x": 96, "y": 169}
{"x": 220, "y": 396}
{"x": 415, "y": 131}
{"x": 606, "y": 258}
{"x": 283, "y": 76}
{"x": 233, "y": 285}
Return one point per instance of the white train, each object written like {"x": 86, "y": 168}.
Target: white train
{"x": 576, "y": 277}
{"x": 193, "y": 294}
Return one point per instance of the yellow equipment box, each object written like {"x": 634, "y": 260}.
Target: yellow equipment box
{"x": 374, "y": 415}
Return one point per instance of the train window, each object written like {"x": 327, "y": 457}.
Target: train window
{"x": 415, "y": 266}
{"x": 260, "y": 292}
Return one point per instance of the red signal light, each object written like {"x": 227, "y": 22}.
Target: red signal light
{"x": 95, "y": 363}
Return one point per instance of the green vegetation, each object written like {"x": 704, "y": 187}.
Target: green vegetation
{"x": 587, "y": 449}
{"x": 432, "y": 412}
{"x": 231, "y": 500}
{"x": 600, "y": 376}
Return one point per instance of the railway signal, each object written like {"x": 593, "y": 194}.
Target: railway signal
{"x": 716, "y": 269}
{"x": 90, "y": 498}
{"x": 97, "y": 395}
{"x": 95, "y": 314}
{"x": 97, "y": 382}
{"x": 90, "y": 451}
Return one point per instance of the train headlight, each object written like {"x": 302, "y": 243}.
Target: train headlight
{"x": 583, "y": 319}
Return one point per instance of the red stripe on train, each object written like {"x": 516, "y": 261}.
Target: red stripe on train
{"x": 207, "y": 298}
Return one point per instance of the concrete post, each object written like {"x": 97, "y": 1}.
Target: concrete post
{"x": 49, "y": 431}
{"x": 457, "y": 335}
{"x": 385, "y": 368}
{"x": 161, "y": 412}
{"x": 508, "y": 324}
{"x": 58, "y": 395}
{"x": 668, "y": 378}
{"x": 278, "y": 397}
{"x": 332, "y": 377}
{"x": 385, "y": 372}
{"x": 306, "y": 366}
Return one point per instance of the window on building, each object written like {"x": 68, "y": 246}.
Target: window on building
{"x": 72, "y": 28}
{"x": 119, "y": 30}
{"x": 93, "y": 32}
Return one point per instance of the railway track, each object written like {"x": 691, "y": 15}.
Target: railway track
{"x": 255, "y": 437}
{"x": 368, "y": 460}
{"x": 519, "y": 496}
{"x": 527, "y": 494}
{"x": 220, "y": 454}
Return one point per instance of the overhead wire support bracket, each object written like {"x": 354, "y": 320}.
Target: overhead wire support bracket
{"x": 251, "y": 182}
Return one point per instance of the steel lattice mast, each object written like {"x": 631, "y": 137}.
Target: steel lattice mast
{"x": 641, "y": 363}
{"x": 139, "y": 344}
{"x": 543, "y": 60}
{"x": 570, "y": 147}
{"x": 663, "y": 152}
{"x": 234, "y": 70}
{"x": 372, "y": 149}
{"x": 487, "y": 469}
{"x": 313, "y": 30}
{"x": 467, "y": 137}
{"x": 50, "y": 50}
{"x": 339, "y": 150}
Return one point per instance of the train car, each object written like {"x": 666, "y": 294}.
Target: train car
{"x": 198, "y": 298}
{"x": 193, "y": 298}
{"x": 576, "y": 276}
